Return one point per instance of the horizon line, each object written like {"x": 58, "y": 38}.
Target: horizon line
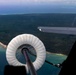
{"x": 39, "y": 13}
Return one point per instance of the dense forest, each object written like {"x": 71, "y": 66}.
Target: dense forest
{"x": 13, "y": 25}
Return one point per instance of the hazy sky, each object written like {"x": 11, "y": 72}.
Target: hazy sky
{"x": 25, "y": 2}
{"x": 37, "y": 6}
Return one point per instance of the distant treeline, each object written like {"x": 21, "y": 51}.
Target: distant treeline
{"x": 13, "y": 25}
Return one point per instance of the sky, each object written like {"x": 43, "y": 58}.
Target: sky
{"x": 37, "y": 6}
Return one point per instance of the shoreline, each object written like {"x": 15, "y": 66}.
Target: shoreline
{"x": 57, "y": 53}
{"x": 5, "y": 46}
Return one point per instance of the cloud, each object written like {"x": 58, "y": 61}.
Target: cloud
{"x": 9, "y": 2}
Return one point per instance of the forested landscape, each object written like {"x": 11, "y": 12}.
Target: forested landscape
{"x": 13, "y": 25}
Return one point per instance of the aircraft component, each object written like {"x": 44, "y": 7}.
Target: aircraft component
{"x": 59, "y": 30}
{"x": 29, "y": 39}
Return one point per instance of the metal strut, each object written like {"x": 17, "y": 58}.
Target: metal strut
{"x": 59, "y": 65}
{"x": 28, "y": 61}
